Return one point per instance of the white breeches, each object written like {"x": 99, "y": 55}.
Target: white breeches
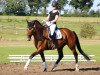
{"x": 52, "y": 27}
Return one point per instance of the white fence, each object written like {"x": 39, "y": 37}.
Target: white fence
{"x": 49, "y": 58}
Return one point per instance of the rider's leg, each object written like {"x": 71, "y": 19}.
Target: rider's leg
{"x": 53, "y": 37}
{"x": 52, "y": 29}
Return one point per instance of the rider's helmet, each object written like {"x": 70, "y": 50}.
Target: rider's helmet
{"x": 55, "y": 4}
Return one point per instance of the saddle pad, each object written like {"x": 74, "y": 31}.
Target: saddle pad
{"x": 58, "y": 34}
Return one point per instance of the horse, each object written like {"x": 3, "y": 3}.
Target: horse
{"x": 42, "y": 43}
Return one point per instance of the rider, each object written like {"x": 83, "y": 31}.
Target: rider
{"x": 52, "y": 19}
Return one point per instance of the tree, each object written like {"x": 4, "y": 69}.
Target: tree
{"x": 44, "y": 4}
{"x": 92, "y": 13}
{"x": 62, "y": 3}
{"x": 15, "y": 7}
{"x": 65, "y": 12}
{"x": 34, "y": 5}
{"x": 98, "y": 13}
{"x": 98, "y": 4}
{"x": 10, "y": 7}
{"x": 83, "y": 5}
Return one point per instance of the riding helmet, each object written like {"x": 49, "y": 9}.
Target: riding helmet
{"x": 55, "y": 4}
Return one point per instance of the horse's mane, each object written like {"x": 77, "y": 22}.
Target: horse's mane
{"x": 37, "y": 22}
{"x": 39, "y": 29}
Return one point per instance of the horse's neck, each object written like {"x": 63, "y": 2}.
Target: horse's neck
{"x": 37, "y": 41}
{"x": 39, "y": 25}
{"x": 38, "y": 36}
{"x": 39, "y": 32}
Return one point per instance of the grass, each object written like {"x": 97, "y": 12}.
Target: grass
{"x": 5, "y": 51}
{"x": 12, "y": 43}
{"x": 14, "y": 23}
{"x": 93, "y": 49}
{"x": 24, "y": 47}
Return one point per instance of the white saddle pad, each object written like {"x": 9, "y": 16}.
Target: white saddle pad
{"x": 58, "y": 34}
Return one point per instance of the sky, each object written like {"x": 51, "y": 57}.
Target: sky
{"x": 94, "y": 7}
{"x": 96, "y": 2}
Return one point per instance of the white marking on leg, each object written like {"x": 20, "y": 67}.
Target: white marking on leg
{"x": 55, "y": 65}
{"x": 76, "y": 67}
{"x": 27, "y": 64}
{"x": 45, "y": 65}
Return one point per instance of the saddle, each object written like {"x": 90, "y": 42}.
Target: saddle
{"x": 47, "y": 33}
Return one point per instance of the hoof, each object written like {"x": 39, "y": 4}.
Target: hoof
{"x": 77, "y": 69}
{"x": 45, "y": 70}
{"x": 25, "y": 68}
{"x": 52, "y": 69}
{"x": 55, "y": 65}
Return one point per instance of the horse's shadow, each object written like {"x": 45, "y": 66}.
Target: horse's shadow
{"x": 81, "y": 69}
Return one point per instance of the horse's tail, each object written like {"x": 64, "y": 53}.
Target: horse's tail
{"x": 79, "y": 48}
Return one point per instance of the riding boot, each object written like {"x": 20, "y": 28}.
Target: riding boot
{"x": 54, "y": 42}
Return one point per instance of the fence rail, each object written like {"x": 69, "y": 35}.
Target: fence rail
{"x": 12, "y": 29}
{"x": 49, "y": 58}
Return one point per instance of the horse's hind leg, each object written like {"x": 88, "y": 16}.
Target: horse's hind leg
{"x": 60, "y": 53}
{"x": 76, "y": 58}
{"x": 44, "y": 62}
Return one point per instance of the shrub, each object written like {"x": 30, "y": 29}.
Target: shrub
{"x": 87, "y": 30}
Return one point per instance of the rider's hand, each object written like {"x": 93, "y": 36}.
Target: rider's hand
{"x": 43, "y": 21}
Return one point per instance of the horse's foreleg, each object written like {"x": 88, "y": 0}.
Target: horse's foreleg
{"x": 29, "y": 60}
{"x": 60, "y": 53}
{"x": 44, "y": 62}
{"x": 27, "y": 64}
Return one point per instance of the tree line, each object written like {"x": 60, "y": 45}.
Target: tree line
{"x": 39, "y": 7}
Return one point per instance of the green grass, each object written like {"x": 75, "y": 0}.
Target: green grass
{"x": 73, "y": 23}
{"x": 93, "y": 49}
{"x": 13, "y": 43}
{"x": 7, "y": 50}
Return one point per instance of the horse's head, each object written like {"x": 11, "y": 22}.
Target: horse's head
{"x": 33, "y": 27}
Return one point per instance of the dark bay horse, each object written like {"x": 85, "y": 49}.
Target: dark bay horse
{"x": 42, "y": 42}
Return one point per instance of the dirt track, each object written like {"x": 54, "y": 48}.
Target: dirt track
{"x": 86, "y": 68}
